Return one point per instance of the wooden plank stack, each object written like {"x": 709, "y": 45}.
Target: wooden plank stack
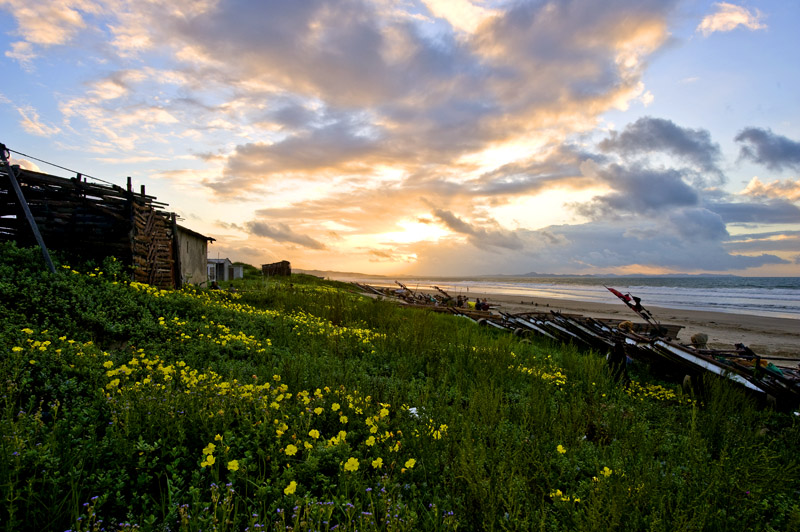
{"x": 91, "y": 221}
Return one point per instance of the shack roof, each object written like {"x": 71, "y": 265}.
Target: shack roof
{"x": 195, "y": 233}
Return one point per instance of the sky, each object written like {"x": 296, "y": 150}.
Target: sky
{"x": 429, "y": 137}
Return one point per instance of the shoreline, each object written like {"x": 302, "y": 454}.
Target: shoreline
{"x": 767, "y": 336}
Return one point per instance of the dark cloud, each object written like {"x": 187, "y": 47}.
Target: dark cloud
{"x": 789, "y": 241}
{"x": 652, "y": 135}
{"x": 379, "y": 255}
{"x": 604, "y": 247}
{"x": 593, "y": 248}
{"x": 769, "y": 212}
{"x": 281, "y": 232}
{"x": 697, "y": 224}
{"x": 330, "y": 147}
{"x": 762, "y": 146}
{"x": 480, "y": 237}
{"x": 638, "y": 190}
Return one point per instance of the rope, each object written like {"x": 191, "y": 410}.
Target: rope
{"x": 58, "y": 166}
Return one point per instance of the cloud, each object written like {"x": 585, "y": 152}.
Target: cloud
{"x": 653, "y": 135}
{"x": 775, "y": 211}
{"x": 594, "y": 248}
{"x": 389, "y": 256}
{"x": 788, "y": 241}
{"x": 788, "y": 189}
{"x": 49, "y": 23}
{"x": 461, "y": 14}
{"x": 728, "y": 17}
{"x": 281, "y": 232}
{"x": 639, "y": 190}
{"x": 762, "y": 146}
{"x": 480, "y": 237}
{"x": 24, "y": 164}
{"x": 32, "y": 123}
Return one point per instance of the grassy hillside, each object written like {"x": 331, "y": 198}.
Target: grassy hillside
{"x": 300, "y": 405}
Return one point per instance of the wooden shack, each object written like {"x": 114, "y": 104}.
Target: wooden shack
{"x": 91, "y": 221}
{"x": 277, "y": 268}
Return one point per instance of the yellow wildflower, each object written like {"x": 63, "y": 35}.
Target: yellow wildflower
{"x": 410, "y": 463}
{"x": 377, "y": 463}
{"x": 233, "y": 465}
{"x": 606, "y": 472}
{"x": 318, "y": 410}
{"x": 314, "y": 433}
{"x": 291, "y": 450}
{"x": 291, "y": 488}
{"x": 370, "y": 441}
{"x": 209, "y": 449}
{"x": 16, "y": 349}
{"x": 351, "y": 465}
{"x": 335, "y": 407}
{"x": 561, "y": 449}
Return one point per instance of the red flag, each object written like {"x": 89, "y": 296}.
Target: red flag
{"x": 625, "y": 297}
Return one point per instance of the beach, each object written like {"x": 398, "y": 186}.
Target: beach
{"x": 767, "y": 336}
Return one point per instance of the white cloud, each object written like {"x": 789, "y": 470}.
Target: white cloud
{"x": 33, "y": 124}
{"x": 788, "y": 189}
{"x": 728, "y": 17}
{"x": 461, "y": 14}
{"x": 48, "y": 23}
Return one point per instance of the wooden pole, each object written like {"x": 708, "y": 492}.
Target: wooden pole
{"x": 13, "y": 178}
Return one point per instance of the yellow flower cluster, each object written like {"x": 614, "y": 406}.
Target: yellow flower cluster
{"x": 67, "y": 351}
{"x": 656, "y": 392}
{"x": 558, "y": 495}
{"x": 216, "y": 333}
{"x": 301, "y": 322}
{"x": 553, "y": 376}
{"x": 291, "y": 415}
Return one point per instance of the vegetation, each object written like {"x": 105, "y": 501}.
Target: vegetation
{"x": 301, "y": 405}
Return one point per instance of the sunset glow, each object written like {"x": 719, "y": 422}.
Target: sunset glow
{"x": 430, "y": 137}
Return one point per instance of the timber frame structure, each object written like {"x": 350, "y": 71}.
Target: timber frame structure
{"x": 93, "y": 221}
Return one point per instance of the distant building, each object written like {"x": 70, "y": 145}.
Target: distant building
{"x": 223, "y": 270}
{"x": 283, "y": 267}
{"x": 191, "y": 251}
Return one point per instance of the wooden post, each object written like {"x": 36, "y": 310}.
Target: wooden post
{"x": 177, "y": 274}
{"x": 13, "y": 178}
{"x": 129, "y": 184}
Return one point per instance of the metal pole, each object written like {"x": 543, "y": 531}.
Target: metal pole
{"x": 13, "y": 178}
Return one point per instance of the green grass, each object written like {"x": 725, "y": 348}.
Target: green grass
{"x": 124, "y": 407}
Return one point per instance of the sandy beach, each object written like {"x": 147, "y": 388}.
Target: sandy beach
{"x": 769, "y": 337}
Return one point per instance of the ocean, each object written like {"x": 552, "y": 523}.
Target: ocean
{"x": 759, "y": 296}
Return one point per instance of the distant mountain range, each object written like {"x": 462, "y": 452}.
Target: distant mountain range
{"x": 330, "y": 273}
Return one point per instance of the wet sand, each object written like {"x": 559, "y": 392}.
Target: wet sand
{"x": 769, "y": 337}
